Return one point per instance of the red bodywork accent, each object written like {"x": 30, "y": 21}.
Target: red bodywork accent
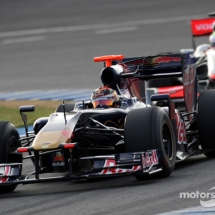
{"x": 69, "y": 146}
{"x": 212, "y": 77}
{"x": 165, "y": 59}
{"x": 66, "y": 133}
{"x": 22, "y": 149}
{"x": 108, "y": 59}
{"x": 202, "y": 27}
{"x": 136, "y": 87}
{"x": 174, "y": 91}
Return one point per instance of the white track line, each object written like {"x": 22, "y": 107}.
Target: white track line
{"x": 116, "y": 30}
{"x": 22, "y": 40}
{"x": 96, "y": 26}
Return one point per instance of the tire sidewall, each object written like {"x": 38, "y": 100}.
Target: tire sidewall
{"x": 149, "y": 124}
{"x": 8, "y": 138}
{"x": 8, "y": 133}
{"x": 167, "y": 163}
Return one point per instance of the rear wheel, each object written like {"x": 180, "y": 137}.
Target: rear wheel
{"x": 9, "y": 137}
{"x": 150, "y": 128}
{"x": 206, "y": 119}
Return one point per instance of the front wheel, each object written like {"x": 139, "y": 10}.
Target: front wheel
{"x": 150, "y": 128}
{"x": 9, "y": 137}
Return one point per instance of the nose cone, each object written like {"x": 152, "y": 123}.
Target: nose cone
{"x": 51, "y": 139}
{"x": 56, "y": 131}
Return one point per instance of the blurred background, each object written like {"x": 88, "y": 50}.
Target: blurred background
{"x": 50, "y": 44}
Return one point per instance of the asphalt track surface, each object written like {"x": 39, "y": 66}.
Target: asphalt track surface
{"x": 50, "y": 45}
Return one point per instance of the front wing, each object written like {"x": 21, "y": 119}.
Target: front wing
{"x": 148, "y": 162}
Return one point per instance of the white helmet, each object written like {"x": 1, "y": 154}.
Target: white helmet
{"x": 212, "y": 39}
{"x": 200, "y": 50}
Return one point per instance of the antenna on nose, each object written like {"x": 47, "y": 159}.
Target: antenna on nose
{"x": 64, "y": 112}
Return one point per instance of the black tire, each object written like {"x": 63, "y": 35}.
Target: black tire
{"x": 9, "y": 142}
{"x": 145, "y": 129}
{"x": 205, "y": 120}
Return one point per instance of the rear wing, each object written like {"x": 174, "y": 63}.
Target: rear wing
{"x": 150, "y": 67}
{"x": 168, "y": 66}
{"x": 201, "y": 27}
{"x": 120, "y": 70}
{"x": 158, "y": 66}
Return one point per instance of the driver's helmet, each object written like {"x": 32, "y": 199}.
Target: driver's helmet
{"x": 212, "y": 39}
{"x": 104, "y": 97}
{"x": 201, "y": 50}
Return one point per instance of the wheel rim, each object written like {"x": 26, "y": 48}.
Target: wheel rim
{"x": 167, "y": 141}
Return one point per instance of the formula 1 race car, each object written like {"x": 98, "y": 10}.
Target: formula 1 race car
{"x": 202, "y": 28}
{"x": 205, "y": 80}
{"x": 126, "y": 137}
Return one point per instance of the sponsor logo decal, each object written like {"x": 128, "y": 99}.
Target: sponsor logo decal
{"x": 153, "y": 62}
{"x": 181, "y": 129}
{"x": 58, "y": 160}
{"x": 111, "y": 168}
{"x": 149, "y": 158}
{"x": 45, "y": 145}
{"x": 165, "y": 59}
{"x": 189, "y": 75}
{"x": 6, "y": 172}
{"x": 136, "y": 67}
{"x": 202, "y": 26}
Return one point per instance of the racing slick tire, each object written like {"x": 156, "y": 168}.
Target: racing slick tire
{"x": 9, "y": 141}
{"x": 205, "y": 120}
{"x": 146, "y": 129}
